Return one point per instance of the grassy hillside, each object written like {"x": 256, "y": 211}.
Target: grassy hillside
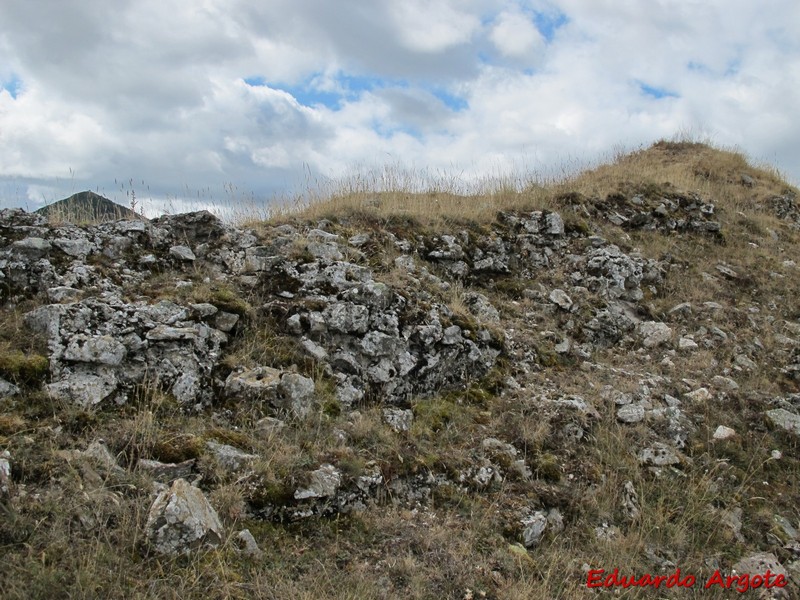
{"x": 72, "y": 526}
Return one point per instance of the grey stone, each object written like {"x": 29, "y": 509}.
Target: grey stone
{"x": 376, "y": 343}
{"x": 758, "y": 563}
{"x": 230, "y": 457}
{"x": 165, "y": 333}
{"x": 481, "y": 308}
{"x": 785, "y": 420}
{"x": 181, "y": 520}
{"x": 659, "y": 455}
{"x": 247, "y": 544}
{"x": 630, "y": 413}
{"x": 84, "y": 389}
{"x": 61, "y": 293}
{"x": 31, "y": 247}
{"x": 7, "y": 388}
{"x": 346, "y": 317}
{"x": 398, "y": 419}
{"x": 314, "y": 350}
{"x": 324, "y": 483}
{"x": 654, "y": 333}
{"x": 254, "y": 385}
{"x": 296, "y": 393}
{"x": 203, "y": 310}
{"x": 182, "y": 253}
{"x": 260, "y": 258}
{"x": 103, "y": 350}
{"x": 534, "y": 527}
{"x": 723, "y": 433}
{"x": 630, "y": 501}
{"x": 5, "y": 472}
{"x": 225, "y": 321}
{"x": 359, "y": 239}
{"x": 561, "y": 299}
{"x": 165, "y": 472}
{"x": 77, "y": 248}
{"x": 348, "y": 394}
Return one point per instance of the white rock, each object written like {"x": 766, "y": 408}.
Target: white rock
{"x": 630, "y": 413}
{"x": 85, "y": 389}
{"x": 324, "y": 483}
{"x": 784, "y": 419}
{"x": 247, "y": 544}
{"x": 686, "y": 343}
{"x": 659, "y": 455}
{"x": 5, "y": 471}
{"x": 182, "y": 253}
{"x": 561, "y": 299}
{"x": 102, "y": 350}
{"x": 699, "y": 395}
{"x": 534, "y": 528}
{"x": 230, "y": 457}
{"x": 181, "y": 519}
{"x": 724, "y": 383}
{"x": 398, "y": 419}
{"x": 654, "y": 333}
{"x": 723, "y": 433}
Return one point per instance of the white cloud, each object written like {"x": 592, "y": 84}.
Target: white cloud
{"x": 516, "y": 36}
{"x": 155, "y": 91}
{"x": 431, "y": 27}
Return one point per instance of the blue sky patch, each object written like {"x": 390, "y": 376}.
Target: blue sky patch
{"x": 548, "y": 24}
{"x": 656, "y": 92}
{"x": 451, "y": 101}
{"x": 13, "y": 85}
{"x": 351, "y": 87}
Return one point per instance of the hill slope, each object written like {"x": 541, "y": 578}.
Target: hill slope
{"x": 404, "y": 396}
{"x": 87, "y": 206}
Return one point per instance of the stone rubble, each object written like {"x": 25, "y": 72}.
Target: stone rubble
{"x": 376, "y": 341}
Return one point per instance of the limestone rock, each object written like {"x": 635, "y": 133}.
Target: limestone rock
{"x": 784, "y": 419}
{"x": 758, "y": 563}
{"x": 181, "y": 520}
{"x": 723, "y": 433}
{"x": 533, "y": 529}
{"x": 102, "y": 350}
{"x": 5, "y": 472}
{"x": 182, "y": 253}
{"x": 659, "y": 455}
{"x": 324, "y": 483}
{"x": 654, "y": 333}
{"x": 248, "y": 545}
{"x": 630, "y": 413}
{"x": 560, "y": 299}
{"x": 230, "y": 457}
{"x": 398, "y": 419}
{"x": 165, "y": 472}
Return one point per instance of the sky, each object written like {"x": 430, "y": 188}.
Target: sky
{"x": 211, "y": 103}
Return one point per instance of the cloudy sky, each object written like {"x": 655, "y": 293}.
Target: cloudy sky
{"x": 213, "y": 101}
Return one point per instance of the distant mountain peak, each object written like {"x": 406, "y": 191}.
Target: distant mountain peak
{"x": 87, "y": 206}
